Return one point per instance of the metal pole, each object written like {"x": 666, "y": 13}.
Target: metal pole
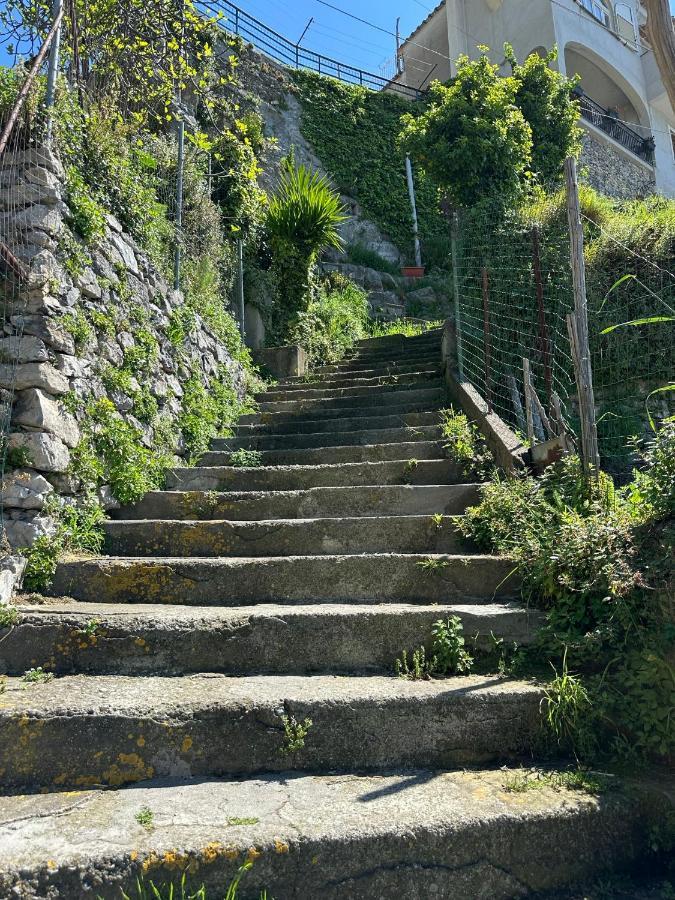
{"x": 455, "y": 287}
{"x": 240, "y": 288}
{"x": 53, "y": 70}
{"x": 413, "y": 204}
{"x": 179, "y": 204}
{"x": 578, "y": 325}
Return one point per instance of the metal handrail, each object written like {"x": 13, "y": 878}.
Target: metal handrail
{"x": 628, "y": 137}
{"x": 296, "y": 56}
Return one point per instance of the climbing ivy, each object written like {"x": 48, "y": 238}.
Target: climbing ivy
{"x": 354, "y": 133}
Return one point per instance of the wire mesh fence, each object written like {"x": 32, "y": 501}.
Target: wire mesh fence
{"x": 514, "y": 296}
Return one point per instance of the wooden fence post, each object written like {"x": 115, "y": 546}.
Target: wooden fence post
{"x": 578, "y": 325}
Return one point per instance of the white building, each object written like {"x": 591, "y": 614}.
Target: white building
{"x": 629, "y": 140}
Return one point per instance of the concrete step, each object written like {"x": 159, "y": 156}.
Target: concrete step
{"x": 387, "y": 342}
{"x": 384, "y": 578}
{"x": 431, "y": 351}
{"x": 380, "y": 399}
{"x": 103, "y": 639}
{"x": 386, "y": 500}
{"x": 368, "y": 378}
{"x": 297, "y": 426}
{"x": 378, "y": 387}
{"x": 335, "y": 455}
{"x": 279, "y": 537}
{"x": 106, "y": 730}
{"x": 286, "y": 421}
{"x": 293, "y": 478}
{"x": 332, "y": 438}
{"x": 349, "y": 369}
{"x": 413, "y": 834}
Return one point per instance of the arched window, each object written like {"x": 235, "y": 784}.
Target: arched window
{"x": 598, "y": 9}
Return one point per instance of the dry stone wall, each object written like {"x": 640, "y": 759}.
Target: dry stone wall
{"x": 611, "y": 172}
{"x": 70, "y": 331}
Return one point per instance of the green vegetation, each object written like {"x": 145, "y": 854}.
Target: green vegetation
{"x": 354, "y": 133}
{"x": 294, "y": 734}
{"x": 362, "y": 256}
{"x": 485, "y": 138}
{"x": 9, "y": 616}
{"x": 597, "y": 560}
{"x": 336, "y": 317}
{"x": 37, "y": 676}
{"x": 401, "y": 326}
{"x": 145, "y": 818}
{"x": 465, "y": 444}
{"x": 446, "y": 656}
{"x": 302, "y": 220}
{"x": 182, "y": 891}
{"x": 524, "y": 780}
{"x": 246, "y": 459}
{"x": 77, "y": 528}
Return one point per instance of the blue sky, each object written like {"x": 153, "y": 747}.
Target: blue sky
{"x": 335, "y": 34}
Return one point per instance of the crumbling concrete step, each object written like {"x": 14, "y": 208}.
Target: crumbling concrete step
{"x": 293, "y": 478}
{"x": 331, "y": 438}
{"x": 375, "y": 390}
{"x": 316, "y": 413}
{"x": 370, "y": 378}
{"x": 413, "y": 834}
{"x": 398, "y": 578}
{"x": 362, "y": 370}
{"x": 101, "y": 639}
{"x": 374, "y": 398}
{"x": 386, "y": 500}
{"x": 335, "y": 455}
{"x": 279, "y": 537}
{"x": 103, "y": 730}
{"x": 297, "y": 426}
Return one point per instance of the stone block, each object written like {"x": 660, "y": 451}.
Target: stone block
{"x": 37, "y": 410}
{"x": 11, "y": 573}
{"x": 24, "y": 349}
{"x": 45, "y": 328}
{"x": 282, "y": 362}
{"x": 24, "y": 489}
{"x": 24, "y": 530}
{"x": 37, "y": 375}
{"x": 46, "y": 452}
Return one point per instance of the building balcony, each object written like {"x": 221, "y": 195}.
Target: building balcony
{"x": 640, "y": 145}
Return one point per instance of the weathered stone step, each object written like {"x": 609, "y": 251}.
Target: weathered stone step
{"x": 91, "y": 730}
{"x": 321, "y": 502}
{"x": 293, "y": 478}
{"x": 288, "y": 417}
{"x": 431, "y": 351}
{"x": 332, "y": 438}
{"x": 413, "y": 834}
{"x": 349, "y": 369}
{"x": 386, "y": 342}
{"x": 334, "y": 455}
{"x": 413, "y": 384}
{"x": 279, "y": 537}
{"x": 369, "y": 378}
{"x": 373, "y": 398}
{"x": 102, "y": 639}
{"x": 368, "y": 578}
{"x": 297, "y": 426}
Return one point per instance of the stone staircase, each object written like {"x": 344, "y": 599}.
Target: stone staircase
{"x": 241, "y": 602}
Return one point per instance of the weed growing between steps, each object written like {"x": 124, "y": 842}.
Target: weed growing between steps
{"x": 149, "y": 890}
{"x": 246, "y": 459}
{"x": 465, "y": 444}
{"x": 294, "y": 734}
{"x": 404, "y": 327}
{"x": 598, "y": 561}
{"x": 448, "y": 654}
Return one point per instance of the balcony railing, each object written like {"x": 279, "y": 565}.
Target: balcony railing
{"x": 623, "y": 134}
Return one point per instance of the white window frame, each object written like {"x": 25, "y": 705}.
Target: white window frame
{"x": 601, "y": 13}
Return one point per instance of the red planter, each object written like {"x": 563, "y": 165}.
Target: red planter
{"x": 413, "y": 271}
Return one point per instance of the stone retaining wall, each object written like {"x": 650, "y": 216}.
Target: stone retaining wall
{"x": 66, "y": 327}
{"x": 611, "y": 172}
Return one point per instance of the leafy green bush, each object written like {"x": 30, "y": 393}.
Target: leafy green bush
{"x": 465, "y": 444}
{"x": 302, "y": 219}
{"x": 333, "y": 321}
{"x": 472, "y": 140}
{"x": 597, "y": 560}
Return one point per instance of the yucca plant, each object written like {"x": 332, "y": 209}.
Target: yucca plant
{"x": 303, "y": 218}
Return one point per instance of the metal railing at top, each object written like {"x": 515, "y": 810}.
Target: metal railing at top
{"x": 628, "y": 137}
{"x": 235, "y": 21}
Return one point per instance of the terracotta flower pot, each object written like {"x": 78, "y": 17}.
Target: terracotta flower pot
{"x": 413, "y": 271}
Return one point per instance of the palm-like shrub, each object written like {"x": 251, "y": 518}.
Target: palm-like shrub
{"x": 303, "y": 219}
